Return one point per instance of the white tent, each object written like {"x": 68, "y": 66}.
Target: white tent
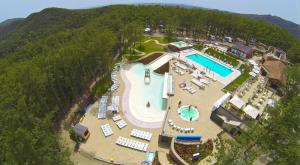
{"x": 271, "y": 103}
{"x": 147, "y": 29}
{"x": 256, "y": 71}
{"x": 252, "y": 74}
{"x": 252, "y": 62}
{"x": 237, "y": 102}
{"x": 222, "y": 100}
{"x": 256, "y": 68}
{"x": 251, "y": 111}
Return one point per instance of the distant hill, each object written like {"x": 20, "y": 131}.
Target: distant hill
{"x": 293, "y": 28}
{"x": 9, "y": 26}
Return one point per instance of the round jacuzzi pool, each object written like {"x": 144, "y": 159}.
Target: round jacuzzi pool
{"x": 188, "y": 113}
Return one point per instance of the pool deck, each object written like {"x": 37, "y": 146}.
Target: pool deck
{"x": 224, "y": 80}
{"x": 203, "y": 99}
{"x": 104, "y": 147}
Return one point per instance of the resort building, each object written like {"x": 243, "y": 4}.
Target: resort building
{"x": 81, "y": 131}
{"x": 241, "y": 51}
{"x": 179, "y": 46}
{"x": 276, "y": 54}
{"x": 147, "y": 30}
{"x": 274, "y": 71}
{"x": 227, "y": 120}
{"x": 228, "y": 39}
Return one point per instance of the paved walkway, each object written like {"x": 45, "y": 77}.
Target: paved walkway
{"x": 162, "y": 156}
{"x": 160, "y": 61}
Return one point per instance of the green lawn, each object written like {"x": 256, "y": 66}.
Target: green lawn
{"x": 222, "y": 56}
{"x": 237, "y": 82}
{"x": 199, "y": 47}
{"x": 243, "y": 68}
{"x": 149, "y": 47}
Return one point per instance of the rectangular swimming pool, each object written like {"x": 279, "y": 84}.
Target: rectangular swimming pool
{"x": 210, "y": 64}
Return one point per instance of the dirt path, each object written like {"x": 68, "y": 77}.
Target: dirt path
{"x": 156, "y": 41}
{"x": 141, "y": 53}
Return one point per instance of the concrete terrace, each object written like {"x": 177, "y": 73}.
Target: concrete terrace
{"x": 101, "y": 147}
{"x": 203, "y": 99}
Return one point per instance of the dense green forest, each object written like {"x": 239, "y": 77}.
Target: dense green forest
{"x": 51, "y": 58}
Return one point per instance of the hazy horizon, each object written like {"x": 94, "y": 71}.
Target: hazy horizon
{"x": 287, "y": 10}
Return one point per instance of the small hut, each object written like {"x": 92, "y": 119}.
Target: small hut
{"x": 81, "y": 131}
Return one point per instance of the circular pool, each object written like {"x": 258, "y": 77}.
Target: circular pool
{"x": 188, "y": 113}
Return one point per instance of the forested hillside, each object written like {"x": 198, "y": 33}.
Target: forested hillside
{"x": 292, "y": 27}
{"x": 50, "y": 59}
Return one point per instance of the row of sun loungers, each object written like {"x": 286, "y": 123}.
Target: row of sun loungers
{"x": 132, "y": 144}
{"x": 106, "y": 129}
{"x": 196, "y": 74}
{"x": 204, "y": 81}
{"x": 181, "y": 66}
{"x": 114, "y": 79}
{"x": 121, "y": 124}
{"x": 141, "y": 134}
{"x": 210, "y": 77}
{"x": 114, "y": 104}
{"x": 198, "y": 83}
{"x": 119, "y": 121}
{"x": 180, "y": 129}
{"x": 102, "y": 107}
{"x": 116, "y": 118}
{"x": 190, "y": 89}
{"x": 179, "y": 71}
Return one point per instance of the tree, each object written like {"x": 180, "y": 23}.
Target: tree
{"x": 294, "y": 53}
{"x": 231, "y": 153}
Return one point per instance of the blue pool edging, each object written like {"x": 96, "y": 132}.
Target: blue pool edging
{"x": 188, "y": 138}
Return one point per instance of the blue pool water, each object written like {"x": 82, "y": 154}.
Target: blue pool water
{"x": 141, "y": 93}
{"x": 210, "y": 64}
{"x": 187, "y": 113}
{"x": 180, "y": 44}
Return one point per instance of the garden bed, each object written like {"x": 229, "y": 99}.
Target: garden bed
{"x": 163, "y": 69}
{"x": 199, "y": 47}
{"x": 150, "y": 58}
{"x": 234, "y": 62}
{"x": 186, "y": 151}
{"x": 237, "y": 82}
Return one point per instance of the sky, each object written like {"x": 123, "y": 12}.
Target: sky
{"x": 286, "y": 9}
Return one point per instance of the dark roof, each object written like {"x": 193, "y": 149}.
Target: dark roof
{"x": 276, "y": 70}
{"x": 80, "y": 129}
{"x": 243, "y": 48}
